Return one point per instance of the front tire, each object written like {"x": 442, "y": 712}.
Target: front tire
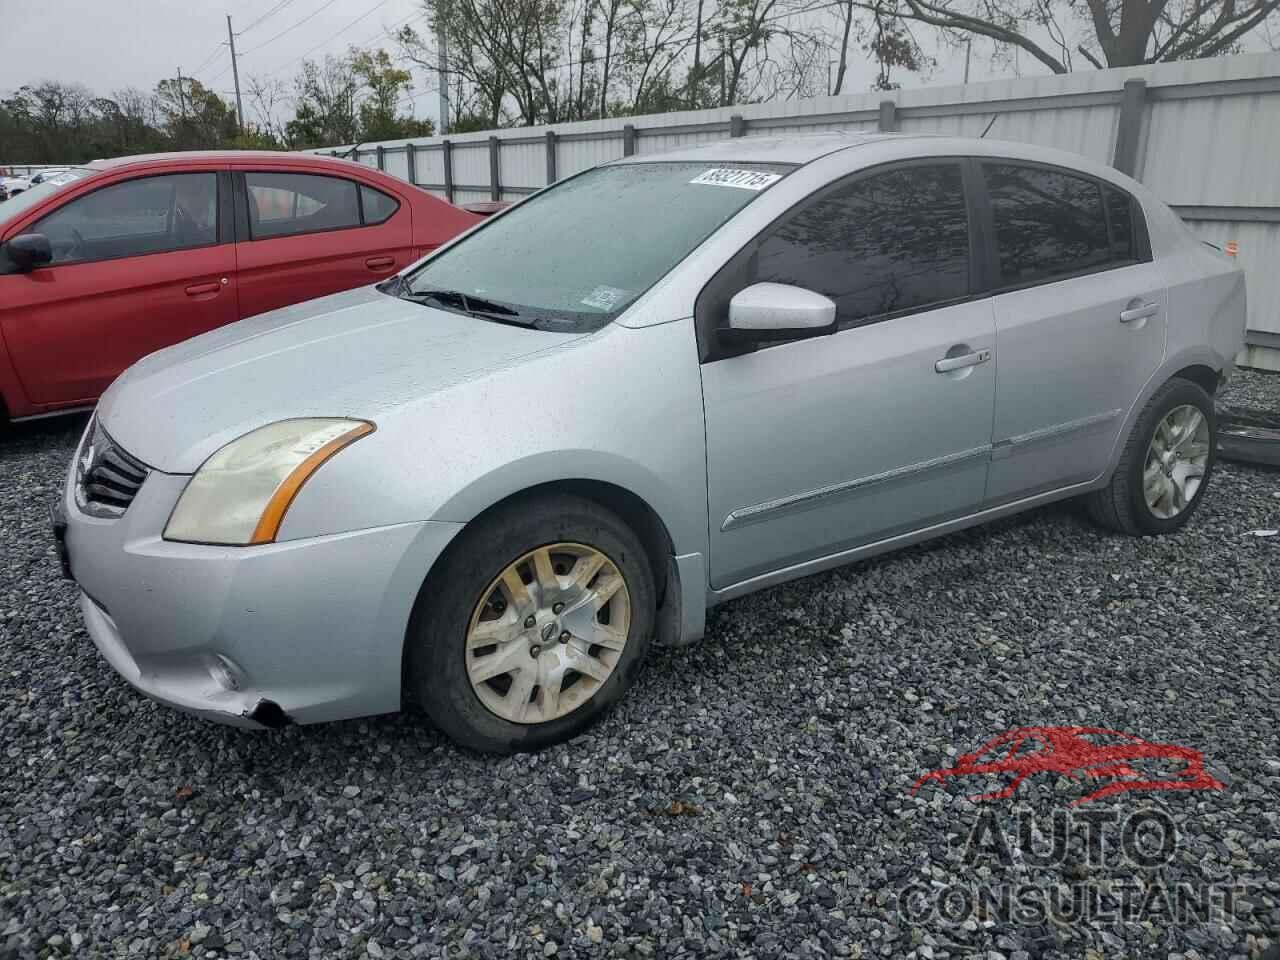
{"x": 535, "y": 623}
{"x": 1165, "y": 467}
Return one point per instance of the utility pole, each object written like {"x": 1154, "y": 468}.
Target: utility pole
{"x": 235, "y": 73}
{"x": 442, "y": 66}
{"x": 182, "y": 99}
{"x": 968, "y": 49}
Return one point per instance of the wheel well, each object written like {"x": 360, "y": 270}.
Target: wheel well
{"x": 634, "y": 511}
{"x": 1205, "y": 377}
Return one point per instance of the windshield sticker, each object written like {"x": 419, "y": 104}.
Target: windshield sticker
{"x": 742, "y": 179}
{"x": 605, "y": 298}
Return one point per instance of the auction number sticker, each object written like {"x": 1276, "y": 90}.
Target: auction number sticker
{"x": 742, "y": 179}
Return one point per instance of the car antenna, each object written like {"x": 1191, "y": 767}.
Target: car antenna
{"x": 990, "y": 124}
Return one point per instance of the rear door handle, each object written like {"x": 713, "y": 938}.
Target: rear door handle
{"x": 380, "y": 263}
{"x": 947, "y": 364}
{"x": 197, "y": 289}
{"x": 1140, "y": 312}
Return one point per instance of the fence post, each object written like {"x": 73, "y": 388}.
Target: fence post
{"x": 382, "y": 157}
{"x": 1133, "y": 103}
{"x": 551, "y": 157}
{"x": 495, "y": 183}
{"x": 411, "y": 161}
{"x": 888, "y": 116}
{"x": 446, "y": 156}
{"x": 628, "y": 139}
{"x": 737, "y": 126}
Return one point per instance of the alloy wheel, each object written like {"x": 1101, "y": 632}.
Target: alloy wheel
{"x": 1176, "y": 461}
{"x": 547, "y": 632}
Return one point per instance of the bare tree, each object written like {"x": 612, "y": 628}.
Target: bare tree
{"x": 1118, "y": 32}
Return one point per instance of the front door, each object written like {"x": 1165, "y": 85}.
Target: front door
{"x": 820, "y": 445}
{"x": 1079, "y": 330}
{"x": 138, "y": 265}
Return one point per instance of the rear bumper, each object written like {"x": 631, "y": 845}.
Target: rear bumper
{"x": 305, "y": 630}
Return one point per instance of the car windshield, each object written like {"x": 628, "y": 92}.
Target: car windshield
{"x": 575, "y": 256}
{"x": 14, "y": 207}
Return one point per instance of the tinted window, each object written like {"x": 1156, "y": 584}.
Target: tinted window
{"x": 377, "y": 205}
{"x": 284, "y": 204}
{"x": 1048, "y": 224}
{"x": 1120, "y": 221}
{"x": 137, "y": 217}
{"x": 880, "y": 244}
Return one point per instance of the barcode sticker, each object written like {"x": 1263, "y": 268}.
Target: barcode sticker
{"x": 742, "y": 179}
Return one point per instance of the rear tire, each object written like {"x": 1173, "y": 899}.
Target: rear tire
{"x": 488, "y": 679}
{"x": 1155, "y": 488}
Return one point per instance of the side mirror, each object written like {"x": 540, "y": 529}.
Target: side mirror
{"x": 29, "y": 250}
{"x": 778, "y": 311}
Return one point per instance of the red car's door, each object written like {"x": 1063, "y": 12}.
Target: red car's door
{"x": 138, "y": 264}
{"x": 310, "y": 234}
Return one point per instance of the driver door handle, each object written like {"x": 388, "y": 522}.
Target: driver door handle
{"x": 947, "y": 364}
{"x": 198, "y": 289}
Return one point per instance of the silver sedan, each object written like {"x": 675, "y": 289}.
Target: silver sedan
{"x": 486, "y": 485}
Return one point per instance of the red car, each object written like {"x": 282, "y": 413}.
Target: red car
{"x": 142, "y": 252}
{"x": 1126, "y": 761}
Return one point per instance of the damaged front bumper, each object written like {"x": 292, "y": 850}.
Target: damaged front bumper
{"x": 302, "y": 631}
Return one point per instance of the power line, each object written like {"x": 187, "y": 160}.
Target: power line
{"x": 274, "y": 10}
{"x": 310, "y": 16}
{"x": 335, "y": 36}
{"x": 209, "y": 59}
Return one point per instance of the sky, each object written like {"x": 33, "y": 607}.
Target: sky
{"x": 111, "y": 45}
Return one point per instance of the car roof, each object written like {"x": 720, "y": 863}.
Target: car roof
{"x": 796, "y": 150}
{"x": 188, "y": 156}
{"x": 806, "y": 148}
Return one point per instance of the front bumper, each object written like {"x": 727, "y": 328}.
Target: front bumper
{"x": 305, "y": 630}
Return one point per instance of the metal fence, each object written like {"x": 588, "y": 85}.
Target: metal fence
{"x": 1203, "y": 134}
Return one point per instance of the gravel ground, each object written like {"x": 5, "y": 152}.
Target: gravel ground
{"x": 751, "y": 797}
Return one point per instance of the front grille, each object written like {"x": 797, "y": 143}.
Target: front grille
{"x": 107, "y": 478}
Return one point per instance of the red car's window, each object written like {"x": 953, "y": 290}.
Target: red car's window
{"x": 377, "y": 206}
{"x": 287, "y": 204}
{"x": 138, "y": 217}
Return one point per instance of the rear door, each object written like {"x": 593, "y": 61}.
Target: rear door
{"x": 308, "y": 234}
{"x": 1080, "y": 323}
{"x": 138, "y": 264}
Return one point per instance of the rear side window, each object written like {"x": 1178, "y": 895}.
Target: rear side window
{"x": 377, "y": 206}
{"x": 878, "y": 245}
{"x": 1048, "y": 224}
{"x": 287, "y": 204}
{"x": 135, "y": 218}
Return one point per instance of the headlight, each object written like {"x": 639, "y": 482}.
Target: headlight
{"x": 240, "y": 494}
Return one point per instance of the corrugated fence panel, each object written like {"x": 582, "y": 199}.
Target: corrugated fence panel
{"x": 467, "y": 196}
{"x": 430, "y": 166}
{"x": 471, "y": 163}
{"x": 575, "y": 155}
{"x": 397, "y": 164}
{"x": 523, "y": 164}
{"x": 1086, "y": 130}
{"x": 1216, "y": 150}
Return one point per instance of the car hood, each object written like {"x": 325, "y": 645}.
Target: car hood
{"x": 356, "y": 354}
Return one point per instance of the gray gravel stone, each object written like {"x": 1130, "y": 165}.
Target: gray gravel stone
{"x": 751, "y": 797}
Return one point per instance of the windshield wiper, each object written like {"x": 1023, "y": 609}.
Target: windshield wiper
{"x": 470, "y": 305}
